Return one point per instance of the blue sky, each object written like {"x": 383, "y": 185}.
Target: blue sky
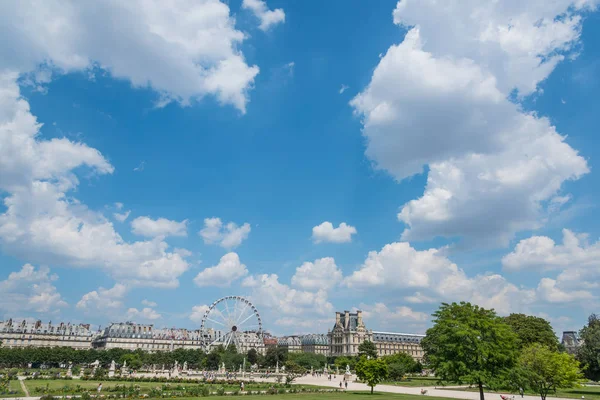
{"x": 455, "y": 145}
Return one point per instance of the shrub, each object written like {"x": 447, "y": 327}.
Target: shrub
{"x": 205, "y": 391}
{"x": 47, "y": 397}
{"x": 220, "y": 391}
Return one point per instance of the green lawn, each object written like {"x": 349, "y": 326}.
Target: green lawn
{"x": 340, "y": 396}
{"x": 414, "y": 382}
{"x": 590, "y": 393}
{"x": 16, "y": 387}
{"x": 37, "y": 387}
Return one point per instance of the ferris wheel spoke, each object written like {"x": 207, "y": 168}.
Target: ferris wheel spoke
{"x": 241, "y": 314}
{"x": 216, "y": 322}
{"x": 230, "y": 334}
{"x": 228, "y": 313}
{"x": 249, "y": 316}
{"x": 217, "y": 340}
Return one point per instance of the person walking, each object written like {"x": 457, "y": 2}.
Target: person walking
{"x": 99, "y": 388}
{"x": 346, "y": 383}
{"x": 521, "y": 392}
{"x": 340, "y": 384}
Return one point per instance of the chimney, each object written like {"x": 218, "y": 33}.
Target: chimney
{"x": 337, "y": 318}
{"x": 359, "y": 317}
{"x": 346, "y": 319}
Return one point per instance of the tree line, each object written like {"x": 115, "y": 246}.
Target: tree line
{"x": 468, "y": 344}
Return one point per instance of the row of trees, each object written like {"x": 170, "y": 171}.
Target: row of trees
{"x": 471, "y": 345}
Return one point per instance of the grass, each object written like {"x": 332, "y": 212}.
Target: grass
{"x": 16, "y": 387}
{"x": 414, "y": 382}
{"x": 590, "y": 393}
{"x": 339, "y": 396}
{"x": 37, "y": 387}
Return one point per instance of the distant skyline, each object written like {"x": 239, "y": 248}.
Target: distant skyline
{"x": 311, "y": 156}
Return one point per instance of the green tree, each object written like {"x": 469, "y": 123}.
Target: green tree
{"x": 589, "y": 352}
{"x": 530, "y": 329}
{"x": 252, "y": 356}
{"x": 399, "y": 365}
{"x": 544, "y": 370}
{"x": 371, "y": 371}
{"x": 469, "y": 344}
{"x": 134, "y": 361}
{"x": 368, "y": 349}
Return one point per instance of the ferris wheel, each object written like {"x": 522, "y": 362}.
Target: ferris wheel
{"x": 230, "y": 320}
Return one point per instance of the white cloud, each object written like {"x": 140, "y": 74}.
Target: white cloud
{"x": 458, "y": 63}
{"x": 322, "y": 274}
{"x": 142, "y": 165}
{"x": 147, "y": 314}
{"x": 325, "y": 232}
{"x": 30, "y": 290}
{"x": 42, "y": 222}
{"x": 269, "y": 293}
{"x": 145, "y": 226}
{"x": 223, "y": 274}
{"x": 419, "y": 298}
{"x": 227, "y": 236}
{"x": 343, "y": 88}
{"x": 268, "y": 18}
{"x": 183, "y": 50}
{"x": 121, "y": 217}
{"x": 399, "y": 267}
{"x": 149, "y": 303}
{"x": 197, "y": 313}
{"x": 102, "y": 299}
{"x": 542, "y": 253}
{"x": 382, "y": 313}
{"x": 548, "y": 291}
{"x": 119, "y": 206}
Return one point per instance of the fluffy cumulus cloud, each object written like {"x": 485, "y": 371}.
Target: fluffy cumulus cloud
{"x": 183, "y": 50}
{"x": 576, "y": 260}
{"x": 145, "y": 314}
{"x": 145, "y": 226}
{"x": 30, "y": 290}
{"x": 103, "y": 299}
{"x": 440, "y": 99}
{"x": 428, "y": 276}
{"x": 380, "y": 315}
{"x": 197, "y": 313}
{"x": 268, "y": 18}
{"x": 149, "y": 303}
{"x": 325, "y": 232}
{"x": 224, "y": 273}
{"x": 227, "y": 236}
{"x": 43, "y": 222}
{"x": 287, "y": 305}
{"x": 320, "y": 274}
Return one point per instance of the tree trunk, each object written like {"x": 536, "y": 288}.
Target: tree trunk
{"x": 481, "y": 395}
{"x": 371, "y": 389}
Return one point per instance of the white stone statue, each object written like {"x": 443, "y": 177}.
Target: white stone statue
{"x": 222, "y": 368}
{"x": 69, "y": 371}
{"x": 111, "y": 370}
{"x": 283, "y": 369}
{"x": 185, "y": 366}
{"x": 348, "y": 370}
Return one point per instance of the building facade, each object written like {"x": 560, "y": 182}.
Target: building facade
{"x": 293, "y": 344}
{"x": 38, "y": 334}
{"x": 347, "y": 334}
{"x": 389, "y": 343}
{"x": 571, "y": 342}
{"x": 316, "y": 343}
{"x": 132, "y": 336}
{"x": 350, "y": 331}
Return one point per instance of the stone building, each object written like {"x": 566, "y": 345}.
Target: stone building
{"x": 571, "y": 342}
{"x": 348, "y": 332}
{"x": 38, "y": 334}
{"x": 131, "y": 336}
{"x": 389, "y": 343}
{"x": 293, "y": 344}
{"x": 316, "y": 343}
